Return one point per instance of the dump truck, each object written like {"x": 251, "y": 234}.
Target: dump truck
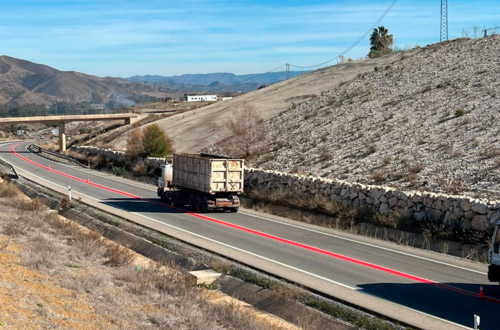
{"x": 205, "y": 182}
{"x": 494, "y": 255}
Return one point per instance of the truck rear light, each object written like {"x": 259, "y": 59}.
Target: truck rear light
{"x": 210, "y": 202}
{"x": 236, "y": 201}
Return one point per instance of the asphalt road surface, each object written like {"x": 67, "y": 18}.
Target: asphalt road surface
{"x": 424, "y": 289}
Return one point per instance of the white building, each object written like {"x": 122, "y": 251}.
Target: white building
{"x": 198, "y": 98}
{"x": 227, "y": 98}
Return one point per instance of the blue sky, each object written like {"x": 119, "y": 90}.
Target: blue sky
{"x": 125, "y": 38}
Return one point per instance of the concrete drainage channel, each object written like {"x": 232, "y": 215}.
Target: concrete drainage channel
{"x": 269, "y": 294}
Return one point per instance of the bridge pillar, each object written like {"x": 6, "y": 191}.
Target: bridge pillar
{"x": 62, "y": 137}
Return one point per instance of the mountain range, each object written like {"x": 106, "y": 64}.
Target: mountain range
{"x": 23, "y": 82}
{"x": 214, "y": 82}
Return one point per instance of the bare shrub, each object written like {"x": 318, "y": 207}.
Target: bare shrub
{"x": 220, "y": 266}
{"x": 8, "y": 190}
{"x": 378, "y": 176}
{"x": 14, "y": 228}
{"x": 96, "y": 161}
{"x": 42, "y": 253}
{"x": 248, "y": 132}
{"x": 140, "y": 168}
{"x": 65, "y": 202}
{"x": 371, "y": 150}
{"x": 415, "y": 168}
{"x": 118, "y": 255}
{"x": 386, "y": 160}
{"x": 30, "y": 205}
{"x": 135, "y": 145}
{"x": 88, "y": 242}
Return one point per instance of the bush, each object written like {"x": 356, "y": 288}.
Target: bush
{"x": 460, "y": 113}
{"x": 155, "y": 142}
{"x": 118, "y": 171}
{"x": 118, "y": 255}
{"x": 135, "y": 146}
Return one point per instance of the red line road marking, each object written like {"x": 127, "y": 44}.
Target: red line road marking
{"x": 272, "y": 237}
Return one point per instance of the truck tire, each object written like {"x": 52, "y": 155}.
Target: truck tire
{"x": 234, "y": 210}
{"x": 175, "y": 198}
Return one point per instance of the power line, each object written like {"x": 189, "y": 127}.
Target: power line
{"x": 261, "y": 74}
{"x": 354, "y": 44}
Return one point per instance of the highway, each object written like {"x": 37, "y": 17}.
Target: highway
{"x": 424, "y": 289}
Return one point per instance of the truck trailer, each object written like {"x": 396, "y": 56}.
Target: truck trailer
{"x": 205, "y": 182}
{"x": 494, "y": 255}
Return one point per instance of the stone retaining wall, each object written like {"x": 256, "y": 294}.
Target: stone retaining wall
{"x": 466, "y": 212}
{"x": 116, "y": 157}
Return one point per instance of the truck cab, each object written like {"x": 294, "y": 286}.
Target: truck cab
{"x": 494, "y": 256}
{"x": 165, "y": 179}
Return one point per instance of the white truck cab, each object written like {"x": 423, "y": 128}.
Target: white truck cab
{"x": 165, "y": 180}
{"x": 494, "y": 256}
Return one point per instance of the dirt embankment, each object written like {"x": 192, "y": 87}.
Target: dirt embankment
{"x": 56, "y": 274}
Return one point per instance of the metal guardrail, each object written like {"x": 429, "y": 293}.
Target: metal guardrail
{"x": 49, "y": 112}
{"x": 10, "y": 167}
{"x": 44, "y": 152}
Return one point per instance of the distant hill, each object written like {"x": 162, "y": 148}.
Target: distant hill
{"x": 215, "y": 82}
{"x": 23, "y": 82}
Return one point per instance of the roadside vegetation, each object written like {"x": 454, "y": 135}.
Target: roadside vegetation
{"x": 152, "y": 141}
{"x": 247, "y": 133}
{"x": 60, "y": 275}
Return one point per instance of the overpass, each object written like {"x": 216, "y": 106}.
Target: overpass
{"x": 63, "y": 119}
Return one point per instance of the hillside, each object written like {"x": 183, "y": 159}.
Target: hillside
{"x": 23, "y": 82}
{"x": 214, "y": 82}
{"x": 195, "y": 130}
{"x": 428, "y": 121}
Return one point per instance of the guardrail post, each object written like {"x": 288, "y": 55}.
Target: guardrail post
{"x": 69, "y": 193}
{"x": 477, "y": 322}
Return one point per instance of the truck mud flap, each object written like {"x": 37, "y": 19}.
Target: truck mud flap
{"x": 493, "y": 273}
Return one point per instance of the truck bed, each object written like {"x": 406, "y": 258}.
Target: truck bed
{"x": 207, "y": 174}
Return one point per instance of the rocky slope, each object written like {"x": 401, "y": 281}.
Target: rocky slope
{"x": 23, "y": 82}
{"x": 429, "y": 121}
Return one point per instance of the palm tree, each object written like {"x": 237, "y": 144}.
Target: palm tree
{"x": 380, "y": 41}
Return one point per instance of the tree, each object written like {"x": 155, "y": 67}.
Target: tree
{"x": 248, "y": 132}
{"x": 135, "y": 146}
{"x": 155, "y": 142}
{"x": 380, "y": 42}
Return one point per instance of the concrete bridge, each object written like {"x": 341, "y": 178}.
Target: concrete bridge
{"x": 63, "y": 119}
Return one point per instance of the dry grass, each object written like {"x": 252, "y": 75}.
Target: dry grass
{"x": 93, "y": 284}
{"x": 8, "y": 190}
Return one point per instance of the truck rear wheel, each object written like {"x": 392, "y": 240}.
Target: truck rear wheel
{"x": 175, "y": 198}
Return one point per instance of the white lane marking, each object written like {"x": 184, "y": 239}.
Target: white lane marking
{"x": 265, "y": 258}
{"x": 204, "y": 237}
{"x": 95, "y": 173}
{"x": 323, "y": 233}
{"x": 366, "y": 244}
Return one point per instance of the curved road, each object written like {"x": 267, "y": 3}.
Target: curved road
{"x": 420, "y": 288}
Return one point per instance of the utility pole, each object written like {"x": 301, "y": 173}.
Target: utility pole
{"x": 287, "y": 71}
{"x": 444, "y": 20}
